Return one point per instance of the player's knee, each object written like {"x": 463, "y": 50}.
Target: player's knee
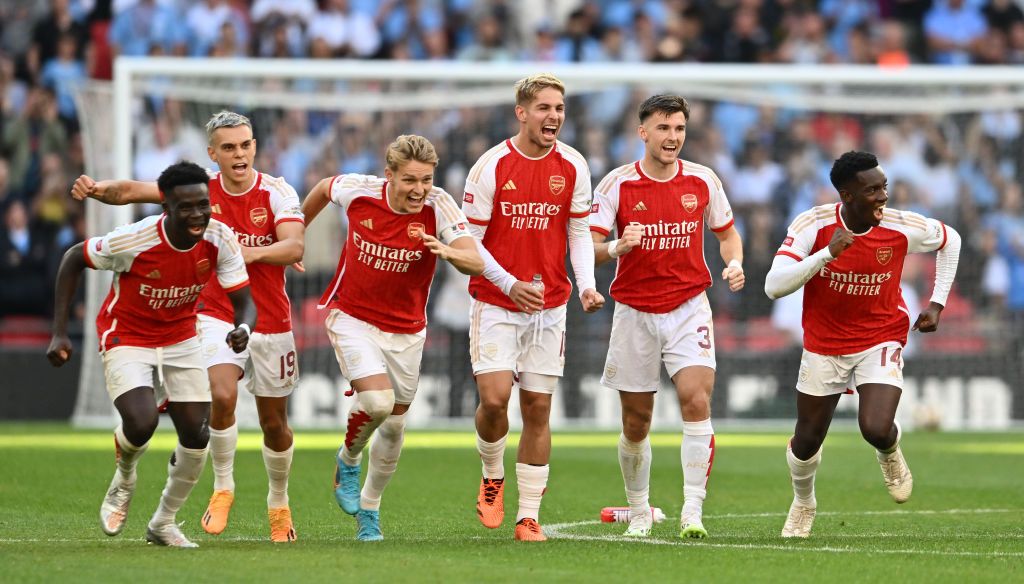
{"x": 393, "y": 427}
{"x": 636, "y": 426}
{"x": 878, "y": 433}
{"x": 195, "y": 436}
{"x": 140, "y": 428}
{"x": 493, "y": 405}
{"x": 536, "y": 412}
{"x": 697, "y": 406}
{"x": 377, "y": 404}
{"x": 273, "y": 424}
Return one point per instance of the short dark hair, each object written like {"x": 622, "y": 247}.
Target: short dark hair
{"x": 180, "y": 174}
{"x": 664, "y": 103}
{"x": 846, "y": 167}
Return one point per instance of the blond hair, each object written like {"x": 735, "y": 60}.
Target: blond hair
{"x": 527, "y": 88}
{"x": 225, "y": 119}
{"x": 409, "y": 147}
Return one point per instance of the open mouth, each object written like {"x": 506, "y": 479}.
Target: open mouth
{"x": 196, "y": 230}
{"x": 239, "y": 168}
{"x": 670, "y": 150}
{"x": 549, "y": 131}
{"x": 879, "y": 212}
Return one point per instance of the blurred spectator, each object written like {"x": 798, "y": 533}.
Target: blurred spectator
{"x": 63, "y": 74}
{"x": 151, "y": 161}
{"x": 51, "y": 30}
{"x": 346, "y": 32}
{"x": 892, "y": 45}
{"x": 24, "y": 254}
{"x": 488, "y": 42}
{"x": 29, "y": 137}
{"x": 805, "y": 44}
{"x": 746, "y": 41}
{"x": 206, "y": 21}
{"x": 99, "y": 56}
{"x": 415, "y": 24}
{"x": 146, "y": 25}
{"x": 1002, "y": 15}
{"x": 955, "y": 29}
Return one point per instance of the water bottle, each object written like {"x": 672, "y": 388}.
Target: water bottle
{"x": 621, "y": 514}
{"x": 538, "y": 283}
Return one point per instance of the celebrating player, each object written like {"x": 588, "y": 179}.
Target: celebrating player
{"x": 147, "y": 333}
{"x": 264, "y": 213}
{"x": 849, "y": 259}
{"x": 659, "y": 207}
{"x": 398, "y": 226}
{"x": 524, "y": 199}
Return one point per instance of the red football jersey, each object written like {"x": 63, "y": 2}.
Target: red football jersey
{"x": 525, "y": 204}
{"x": 854, "y": 302}
{"x": 152, "y": 299}
{"x": 668, "y": 267}
{"x": 385, "y": 271}
{"x": 254, "y": 216}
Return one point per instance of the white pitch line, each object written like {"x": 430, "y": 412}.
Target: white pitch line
{"x": 557, "y": 531}
{"x": 892, "y": 512}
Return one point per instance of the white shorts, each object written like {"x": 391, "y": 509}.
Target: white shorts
{"x": 641, "y": 341}
{"x": 364, "y": 350}
{"x": 823, "y": 375}
{"x": 502, "y": 340}
{"x": 269, "y": 364}
{"x": 177, "y": 371}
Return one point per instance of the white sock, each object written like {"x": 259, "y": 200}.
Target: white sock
{"x": 183, "y": 472}
{"x": 384, "y": 452}
{"x": 896, "y": 444}
{"x": 368, "y": 412}
{"x": 697, "y": 453}
{"x": 223, "y": 444}
{"x": 802, "y": 472}
{"x": 279, "y": 465}
{"x": 127, "y": 454}
{"x": 492, "y": 455}
{"x": 533, "y": 480}
{"x": 635, "y": 463}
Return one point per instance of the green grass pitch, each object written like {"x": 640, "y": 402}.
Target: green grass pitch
{"x": 964, "y": 521}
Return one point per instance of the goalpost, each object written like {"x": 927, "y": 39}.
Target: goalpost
{"x": 315, "y": 118}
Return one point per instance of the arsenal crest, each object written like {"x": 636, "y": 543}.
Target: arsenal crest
{"x": 689, "y": 201}
{"x": 556, "y": 184}
{"x": 203, "y": 269}
{"x": 415, "y": 230}
{"x": 883, "y": 255}
{"x": 258, "y": 216}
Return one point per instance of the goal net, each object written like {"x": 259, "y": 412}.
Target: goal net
{"x": 949, "y": 139}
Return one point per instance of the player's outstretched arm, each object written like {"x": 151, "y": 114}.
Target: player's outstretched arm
{"x": 287, "y": 250}
{"x": 115, "y": 192}
{"x": 245, "y": 318}
{"x": 317, "y": 199}
{"x": 462, "y": 253}
{"x": 730, "y": 246}
{"x": 581, "y": 255}
{"x": 71, "y": 266}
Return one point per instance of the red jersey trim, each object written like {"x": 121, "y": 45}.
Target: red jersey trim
{"x": 945, "y": 238}
{"x": 286, "y": 219}
{"x": 237, "y": 287}
{"x": 85, "y": 252}
{"x": 789, "y": 254}
{"x": 600, "y": 230}
{"x": 724, "y": 227}
{"x": 475, "y": 221}
{"x": 580, "y": 215}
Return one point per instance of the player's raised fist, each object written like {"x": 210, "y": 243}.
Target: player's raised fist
{"x": 238, "y": 339}
{"x": 84, "y": 187}
{"x": 733, "y": 273}
{"x": 632, "y": 235}
{"x": 59, "y": 351}
{"x": 841, "y": 240}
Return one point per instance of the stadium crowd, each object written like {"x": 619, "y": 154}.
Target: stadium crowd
{"x": 964, "y": 169}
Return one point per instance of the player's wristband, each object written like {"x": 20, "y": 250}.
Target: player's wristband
{"x": 245, "y": 327}
{"x": 734, "y": 263}
{"x": 613, "y": 248}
